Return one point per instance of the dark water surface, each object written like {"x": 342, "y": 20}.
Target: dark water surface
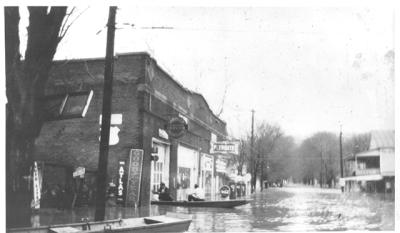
{"x": 275, "y": 209}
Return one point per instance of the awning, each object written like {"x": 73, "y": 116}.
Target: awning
{"x": 363, "y": 178}
{"x": 369, "y": 153}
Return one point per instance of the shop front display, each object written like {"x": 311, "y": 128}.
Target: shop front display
{"x": 187, "y": 171}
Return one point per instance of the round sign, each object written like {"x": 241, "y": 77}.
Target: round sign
{"x": 176, "y": 127}
{"x": 224, "y": 191}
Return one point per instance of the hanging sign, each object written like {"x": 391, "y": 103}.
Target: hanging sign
{"x": 225, "y": 147}
{"x": 176, "y": 127}
{"x": 120, "y": 185}
{"x": 134, "y": 177}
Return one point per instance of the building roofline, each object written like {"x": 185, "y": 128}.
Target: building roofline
{"x": 176, "y": 82}
{"x": 146, "y": 54}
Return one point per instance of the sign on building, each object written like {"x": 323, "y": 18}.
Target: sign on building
{"x": 225, "y": 191}
{"x": 176, "y": 127}
{"x": 121, "y": 182}
{"x": 207, "y": 162}
{"x": 220, "y": 165}
{"x": 225, "y": 147}
{"x": 135, "y": 166}
{"x": 79, "y": 171}
{"x": 37, "y": 187}
{"x": 116, "y": 119}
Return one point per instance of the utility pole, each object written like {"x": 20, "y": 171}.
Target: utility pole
{"x": 320, "y": 172}
{"x": 251, "y": 151}
{"x": 106, "y": 115}
{"x": 341, "y": 157}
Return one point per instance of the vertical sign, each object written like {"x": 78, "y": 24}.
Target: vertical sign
{"x": 36, "y": 187}
{"x": 134, "y": 177}
{"x": 121, "y": 183}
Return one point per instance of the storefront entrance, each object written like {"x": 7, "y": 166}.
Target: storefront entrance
{"x": 207, "y": 174}
{"x": 160, "y": 168}
{"x": 188, "y": 167}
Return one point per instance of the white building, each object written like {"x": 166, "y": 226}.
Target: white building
{"x": 373, "y": 170}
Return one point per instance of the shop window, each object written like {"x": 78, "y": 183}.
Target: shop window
{"x": 157, "y": 174}
{"x": 184, "y": 177}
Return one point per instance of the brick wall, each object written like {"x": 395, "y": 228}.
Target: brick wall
{"x": 75, "y": 142}
{"x": 144, "y": 94}
{"x": 190, "y": 104}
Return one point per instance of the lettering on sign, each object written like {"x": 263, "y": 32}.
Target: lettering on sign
{"x": 121, "y": 183}
{"x": 134, "y": 177}
{"x": 36, "y": 187}
{"x": 225, "y": 147}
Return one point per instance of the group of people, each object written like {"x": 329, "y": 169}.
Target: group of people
{"x": 196, "y": 195}
{"x": 67, "y": 196}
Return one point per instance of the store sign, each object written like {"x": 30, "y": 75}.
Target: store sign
{"x": 207, "y": 163}
{"x": 176, "y": 127}
{"x": 79, "y": 171}
{"x": 36, "y": 187}
{"x": 134, "y": 177}
{"x": 120, "y": 185}
{"x": 220, "y": 165}
{"x": 163, "y": 134}
{"x": 116, "y": 119}
{"x": 225, "y": 147}
{"x": 225, "y": 191}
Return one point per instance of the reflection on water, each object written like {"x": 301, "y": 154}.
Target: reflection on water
{"x": 277, "y": 209}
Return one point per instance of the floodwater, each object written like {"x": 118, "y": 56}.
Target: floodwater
{"x": 274, "y": 209}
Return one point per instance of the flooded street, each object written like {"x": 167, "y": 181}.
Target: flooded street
{"x": 275, "y": 209}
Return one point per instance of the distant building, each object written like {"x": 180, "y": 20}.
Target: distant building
{"x": 372, "y": 170}
{"x": 145, "y": 98}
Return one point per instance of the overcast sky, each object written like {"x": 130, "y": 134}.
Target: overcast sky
{"x": 305, "y": 69}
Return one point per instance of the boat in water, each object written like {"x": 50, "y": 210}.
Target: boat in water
{"x": 171, "y": 222}
{"x": 214, "y": 204}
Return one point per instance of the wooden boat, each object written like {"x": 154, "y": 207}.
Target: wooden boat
{"x": 171, "y": 222}
{"x": 214, "y": 204}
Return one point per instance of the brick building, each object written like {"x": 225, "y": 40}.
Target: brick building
{"x": 144, "y": 98}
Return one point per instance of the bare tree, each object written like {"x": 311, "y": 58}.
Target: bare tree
{"x": 357, "y": 143}
{"x": 266, "y": 139}
{"x": 319, "y": 157}
{"x": 280, "y": 162}
{"x": 25, "y": 86}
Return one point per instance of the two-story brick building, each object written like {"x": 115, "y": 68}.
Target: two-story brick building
{"x": 144, "y": 99}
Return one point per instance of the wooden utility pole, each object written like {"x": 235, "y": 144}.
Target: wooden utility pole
{"x": 341, "y": 156}
{"x": 105, "y": 120}
{"x": 320, "y": 172}
{"x": 253, "y": 183}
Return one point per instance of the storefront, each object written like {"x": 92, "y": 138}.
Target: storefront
{"x": 149, "y": 99}
{"x": 160, "y": 168}
{"x": 188, "y": 167}
{"x": 221, "y": 175}
{"x": 207, "y": 181}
